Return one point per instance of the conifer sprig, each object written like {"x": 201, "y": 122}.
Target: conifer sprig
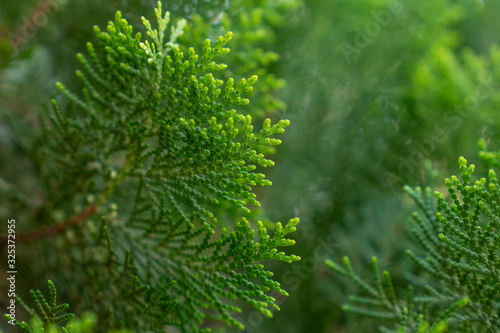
{"x": 381, "y": 303}
{"x": 46, "y": 310}
{"x": 155, "y": 144}
{"x": 458, "y": 240}
{"x": 169, "y": 115}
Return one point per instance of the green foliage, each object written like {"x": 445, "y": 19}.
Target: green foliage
{"x": 382, "y": 304}
{"x": 420, "y": 87}
{"x": 86, "y": 324}
{"x": 45, "y": 315}
{"x": 419, "y": 93}
{"x": 252, "y": 43}
{"x": 44, "y": 318}
{"x": 458, "y": 260}
{"x": 52, "y": 46}
{"x": 154, "y": 144}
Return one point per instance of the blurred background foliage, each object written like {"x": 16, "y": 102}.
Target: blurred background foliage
{"x": 380, "y": 93}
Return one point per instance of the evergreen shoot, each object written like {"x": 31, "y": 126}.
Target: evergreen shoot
{"x": 456, "y": 277}
{"x": 142, "y": 175}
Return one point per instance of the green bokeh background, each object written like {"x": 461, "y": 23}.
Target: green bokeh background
{"x": 380, "y": 94}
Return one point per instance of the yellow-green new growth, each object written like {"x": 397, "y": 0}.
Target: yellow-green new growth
{"x": 458, "y": 239}
{"x": 159, "y": 131}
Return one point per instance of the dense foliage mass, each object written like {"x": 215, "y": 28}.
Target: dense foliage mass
{"x": 456, "y": 266}
{"x": 380, "y": 94}
{"x": 153, "y": 146}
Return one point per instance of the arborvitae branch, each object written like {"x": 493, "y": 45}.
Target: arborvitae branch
{"x": 47, "y": 311}
{"x": 459, "y": 251}
{"x": 158, "y": 143}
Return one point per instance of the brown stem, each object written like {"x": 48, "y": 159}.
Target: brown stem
{"x": 34, "y": 235}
